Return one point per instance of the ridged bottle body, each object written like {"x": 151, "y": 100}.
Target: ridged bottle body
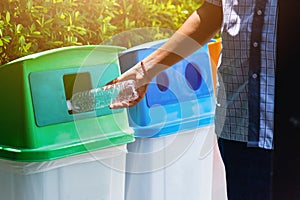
{"x": 98, "y": 98}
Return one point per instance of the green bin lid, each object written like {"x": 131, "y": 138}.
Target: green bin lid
{"x": 23, "y": 139}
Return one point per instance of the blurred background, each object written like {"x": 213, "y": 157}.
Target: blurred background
{"x": 30, "y": 26}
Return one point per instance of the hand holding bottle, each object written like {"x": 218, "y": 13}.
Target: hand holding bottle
{"x": 142, "y": 79}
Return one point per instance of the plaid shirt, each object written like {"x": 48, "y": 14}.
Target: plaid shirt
{"x": 246, "y": 75}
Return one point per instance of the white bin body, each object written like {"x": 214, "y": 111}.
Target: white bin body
{"x": 182, "y": 166}
{"x": 98, "y": 175}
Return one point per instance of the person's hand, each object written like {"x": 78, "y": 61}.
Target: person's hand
{"x": 139, "y": 74}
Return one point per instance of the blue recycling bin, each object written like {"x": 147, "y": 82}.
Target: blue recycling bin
{"x": 179, "y": 98}
{"x": 171, "y": 158}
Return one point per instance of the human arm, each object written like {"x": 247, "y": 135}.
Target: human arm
{"x": 196, "y": 31}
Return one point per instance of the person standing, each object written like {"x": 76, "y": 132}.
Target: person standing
{"x": 245, "y": 108}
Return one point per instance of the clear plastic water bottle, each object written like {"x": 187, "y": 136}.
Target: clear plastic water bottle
{"x": 102, "y": 97}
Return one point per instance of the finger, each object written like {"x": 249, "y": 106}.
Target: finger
{"x": 122, "y": 104}
{"x": 107, "y": 86}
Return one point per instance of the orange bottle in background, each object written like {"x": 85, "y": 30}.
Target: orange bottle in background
{"x": 214, "y": 49}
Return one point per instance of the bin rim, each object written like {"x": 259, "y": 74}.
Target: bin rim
{"x": 107, "y": 48}
{"x": 147, "y": 45}
{"x": 58, "y": 151}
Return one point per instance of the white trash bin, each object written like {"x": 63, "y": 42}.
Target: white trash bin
{"x": 91, "y": 176}
{"x": 174, "y": 155}
{"x": 175, "y": 167}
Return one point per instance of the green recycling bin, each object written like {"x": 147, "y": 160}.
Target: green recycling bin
{"x": 46, "y": 150}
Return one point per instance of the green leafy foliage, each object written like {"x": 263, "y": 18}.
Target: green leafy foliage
{"x": 30, "y": 26}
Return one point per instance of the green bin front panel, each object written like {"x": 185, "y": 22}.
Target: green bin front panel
{"x": 49, "y": 100}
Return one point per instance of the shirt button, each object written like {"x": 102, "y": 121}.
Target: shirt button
{"x": 254, "y": 75}
{"x": 259, "y": 12}
{"x": 255, "y": 44}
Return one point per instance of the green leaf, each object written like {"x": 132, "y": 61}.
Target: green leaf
{"x": 62, "y": 16}
{"x": 1, "y": 43}
{"x": 18, "y": 28}
{"x": 76, "y": 14}
{"x": 49, "y": 21}
{"x": 36, "y": 33}
{"x": 22, "y": 40}
{"x": 58, "y": 42}
{"x": 6, "y": 39}
{"x": 39, "y": 22}
{"x": 70, "y": 20}
{"x": 28, "y": 45}
{"x": 7, "y": 17}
